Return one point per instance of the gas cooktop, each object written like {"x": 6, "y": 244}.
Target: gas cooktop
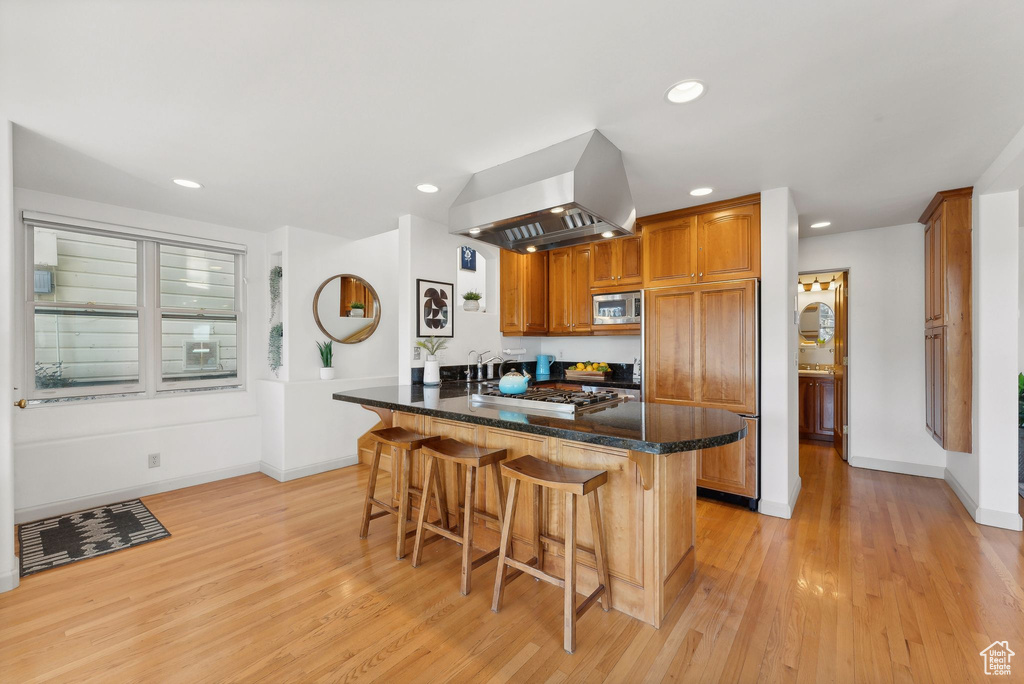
{"x": 550, "y": 399}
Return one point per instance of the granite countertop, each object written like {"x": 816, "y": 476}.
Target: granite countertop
{"x": 634, "y": 425}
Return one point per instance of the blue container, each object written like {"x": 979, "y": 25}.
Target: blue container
{"x": 513, "y": 383}
{"x": 544, "y": 366}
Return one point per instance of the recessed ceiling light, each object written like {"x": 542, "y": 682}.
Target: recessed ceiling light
{"x": 186, "y": 183}
{"x": 821, "y": 224}
{"x": 531, "y": 249}
{"x": 427, "y": 187}
{"x": 607, "y": 234}
{"x": 685, "y": 91}
{"x": 700, "y": 192}
{"x": 558, "y": 210}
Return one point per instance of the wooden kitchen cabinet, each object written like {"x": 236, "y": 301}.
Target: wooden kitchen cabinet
{"x": 524, "y": 293}
{"x": 947, "y": 348}
{"x": 615, "y": 264}
{"x": 709, "y": 243}
{"x": 817, "y": 408}
{"x": 701, "y": 345}
{"x": 731, "y": 468}
{"x": 569, "y": 302}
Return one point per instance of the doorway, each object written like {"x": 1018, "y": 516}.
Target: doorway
{"x": 823, "y": 358}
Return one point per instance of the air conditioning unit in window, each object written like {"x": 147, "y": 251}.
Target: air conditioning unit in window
{"x": 201, "y": 355}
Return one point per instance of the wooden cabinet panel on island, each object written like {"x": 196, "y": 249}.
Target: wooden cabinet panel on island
{"x": 948, "y": 344}
{"x": 731, "y": 468}
{"x": 524, "y": 293}
{"x": 701, "y": 344}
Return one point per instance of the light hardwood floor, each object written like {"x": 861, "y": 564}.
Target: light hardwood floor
{"x": 877, "y": 578}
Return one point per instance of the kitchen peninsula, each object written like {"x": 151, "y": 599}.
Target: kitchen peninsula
{"x": 648, "y": 505}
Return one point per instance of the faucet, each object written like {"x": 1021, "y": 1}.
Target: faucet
{"x": 469, "y": 364}
{"x": 490, "y": 366}
{"x": 480, "y": 365}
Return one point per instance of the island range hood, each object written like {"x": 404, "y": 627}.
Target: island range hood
{"x": 572, "y": 192}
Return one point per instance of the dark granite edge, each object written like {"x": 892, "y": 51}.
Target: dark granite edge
{"x": 657, "y": 448}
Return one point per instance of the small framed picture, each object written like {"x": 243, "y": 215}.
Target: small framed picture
{"x": 468, "y": 261}
{"x": 434, "y": 308}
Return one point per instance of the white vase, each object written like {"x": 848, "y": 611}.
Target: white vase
{"x": 432, "y": 371}
{"x": 355, "y": 313}
{"x": 326, "y": 373}
{"x": 471, "y": 305}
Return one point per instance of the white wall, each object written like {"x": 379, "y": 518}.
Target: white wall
{"x": 780, "y": 456}
{"x": 886, "y": 318}
{"x": 67, "y": 456}
{"x": 610, "y": 349}
{"x": 8, "y": 561}
{"x": 428, "y": 251}
{"x": 986, "y": 479}
{"x": 304, "y": 430}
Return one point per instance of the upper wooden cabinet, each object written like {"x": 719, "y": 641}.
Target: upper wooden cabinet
{"x": 701, "y": 344}
{"x": 947, "y": 305}
{"x": 710, "y": 243}
{"x": 524, "y": 293}
{"x": 615, "y": 264}
{"x": 581, "y": 310}
{"x": 569, "y": 303}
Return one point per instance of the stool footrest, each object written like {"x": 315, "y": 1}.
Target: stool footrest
{"x": 486, "y": 558}
{"x": 379, "y": 514}
{"x": 589, "y": 601}
{"x": 530, "y": 569}
{"x": 442, "y": 532}
{"x": 388, "y": 508}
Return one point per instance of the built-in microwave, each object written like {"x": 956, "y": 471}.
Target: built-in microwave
{"x": 617, "y": 308}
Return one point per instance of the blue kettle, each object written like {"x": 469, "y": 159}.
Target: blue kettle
{"x": 544, "y": 366}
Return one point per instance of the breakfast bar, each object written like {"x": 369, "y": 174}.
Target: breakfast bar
{"x": 647, "y": 507}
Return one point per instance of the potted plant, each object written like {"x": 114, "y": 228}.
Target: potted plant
{"x": 327, "y": 357}
{"x": 356, "y": 310}
{"x": 432, "y": 367}
{"x": 471, "y": 301}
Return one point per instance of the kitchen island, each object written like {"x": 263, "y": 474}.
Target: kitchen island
{"x": 648, "y": 505}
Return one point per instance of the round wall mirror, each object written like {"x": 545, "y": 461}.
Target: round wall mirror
{"x": 817, "y": 323}
{"x": 346, "y": 308}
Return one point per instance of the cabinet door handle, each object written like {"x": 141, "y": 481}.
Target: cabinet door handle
{"x": 701, "y": 273}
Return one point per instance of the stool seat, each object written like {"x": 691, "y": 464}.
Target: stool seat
{"x": 401, "y": 438}
{"x": 573, "y": 480}
{"x": 465, "y": 454}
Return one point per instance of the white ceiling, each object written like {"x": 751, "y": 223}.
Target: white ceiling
{"x": 325, "y": 115}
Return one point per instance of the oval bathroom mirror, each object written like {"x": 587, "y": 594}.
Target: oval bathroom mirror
{"x": 346, "y": 308}
{"x": 817, "y": 323}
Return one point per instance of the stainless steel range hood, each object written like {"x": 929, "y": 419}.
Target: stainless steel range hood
{"x": 566, "y": 194}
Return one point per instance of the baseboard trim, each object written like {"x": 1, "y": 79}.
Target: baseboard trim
{"x": 1007, "y": 520}
{"x": 289, "y": 474}
{"x": 961, "y": 493}
{"x": 777, "y": 509}
{"x": 10, "y": 580}
{"x": 900, "y": 467}
{"x": 30, "y": 513}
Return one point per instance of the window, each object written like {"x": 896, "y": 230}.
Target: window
{"x": 112, "y": 313}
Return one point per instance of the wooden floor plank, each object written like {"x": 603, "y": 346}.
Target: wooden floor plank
{"x": 877, "y": 577}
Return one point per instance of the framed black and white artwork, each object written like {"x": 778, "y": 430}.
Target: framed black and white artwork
{"x": 434, "y": 309}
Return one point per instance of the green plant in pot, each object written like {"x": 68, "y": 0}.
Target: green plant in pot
{"x": 432, "y": 367}
{"x": 356, "y": 310}
{"x": 327, "y": 358}
{"x": 274, "y": 345}
{"x": 471, "y": 300}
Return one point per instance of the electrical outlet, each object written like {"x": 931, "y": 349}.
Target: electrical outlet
{"x": 154, "y": 460}
{"x": 415, "y": 353}
{"x": 561, "y": 354}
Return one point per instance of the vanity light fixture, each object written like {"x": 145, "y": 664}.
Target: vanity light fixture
{"x": 531, "y": 249}
{"x": 427, "y": 188}
{"x": 700, "y": 192}
{"x": 607, "y": 234}
{"x": 831, "y": 285}
{"x": 685, "y": 91}
{"x": 815, "y": 286}
{"x": 186, "y": 183}
{"x": 807, "y": 286}
{"x": 821, "y": 224}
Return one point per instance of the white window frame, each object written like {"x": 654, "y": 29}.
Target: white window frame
{"x": 148, "y": 310}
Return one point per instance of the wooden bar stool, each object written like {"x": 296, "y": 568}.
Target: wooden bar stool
{"x": 574, "y": 482}
{"x": 471, "y": 459}
{"x": 406, "y": 441}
